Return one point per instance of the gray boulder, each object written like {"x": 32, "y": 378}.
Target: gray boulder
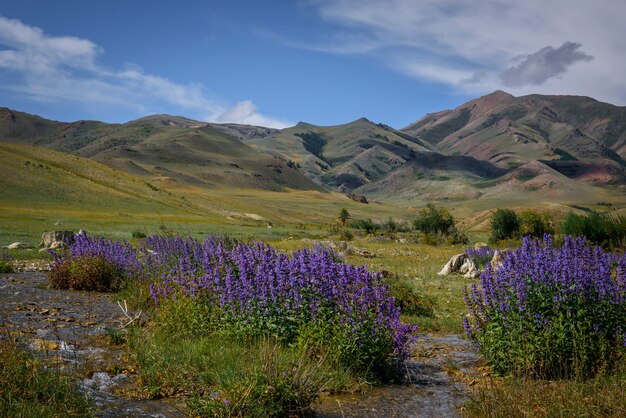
{"x": 56, "y": 238}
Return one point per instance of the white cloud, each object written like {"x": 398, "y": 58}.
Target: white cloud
{"x": 65, "y": 68}
{"x": 472, "y": 45}
{"x": 246, "y": 113}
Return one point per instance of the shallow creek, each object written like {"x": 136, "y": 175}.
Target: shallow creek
{"x": 69, "y": 330}
{"x": 437, "y": 378}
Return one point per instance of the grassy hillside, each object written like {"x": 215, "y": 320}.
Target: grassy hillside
{"x": 46, "y": 190}
{"x": 204, "y": 157}
{"x": 351, "y": 154}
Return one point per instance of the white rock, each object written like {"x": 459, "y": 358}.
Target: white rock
{"x": 461, "y": 264}
{"x": 19, "y": 246}
{"x": 453, "y": 265}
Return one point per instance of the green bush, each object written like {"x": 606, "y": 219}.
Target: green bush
{"x": 391, "y": 226}
{"x": 599, "y": 228}
{"x": 366, "y": 225}
{"x": 345, "y": 235}
{"x": 408, "y": 299}
{"x": 344, "y": 215}
{"x": 6, "y": 267}
{"x": 505, "y": 224}
{"x": 536, "y": 224}
{"x": 436, "y": 226}
{"x": 434, "y": 220}
{"x": 86, "y": 273}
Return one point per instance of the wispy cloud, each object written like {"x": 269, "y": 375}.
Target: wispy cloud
{"x": 528, "y": 46}
{"x": 65, "y": 68}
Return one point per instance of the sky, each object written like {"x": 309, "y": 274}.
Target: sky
{"x": 275, "y": 62}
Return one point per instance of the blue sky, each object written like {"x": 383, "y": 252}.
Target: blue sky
{"x": 275, "y": 63}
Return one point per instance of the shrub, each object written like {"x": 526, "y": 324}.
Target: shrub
{"x": 408, "y": 299}
{"x": 536, "y": 224}
{"x": 456, "y": 237}
{"x": 95, "y": 264}
{"x": 345, "y": 235}
{"x": 436, "y": 226}
{"x": 434, "y": 220}
{"x": 86, "y": 273}
{"x": 5, "y": 262}
{"x": 309, "y": 299}
{"x": 391, "y": 226}
{"x": 505, "y": 224}
{"x": 551, "y": 312}
{"x": 599, "y": 228}
{"x": 138, "y": 234}
{"x": 366, "y": 225}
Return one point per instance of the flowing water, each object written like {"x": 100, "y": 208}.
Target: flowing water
{"x": 437, "y": 377}
{"x": 72, "y": 330}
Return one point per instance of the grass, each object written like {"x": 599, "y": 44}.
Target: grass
{"x": 27, "y": 389}
{"x": 199, "y": 365}
{"x": 601, "y": 397}
{"x": 224, "y": 377}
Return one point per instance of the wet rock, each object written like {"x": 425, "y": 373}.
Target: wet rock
{"x": 101, "y": 381}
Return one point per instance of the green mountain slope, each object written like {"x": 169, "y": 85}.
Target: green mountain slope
{"x": 162, "y": 148}
{"x": 347, "y": 155}
{"x": 40, "y": 178}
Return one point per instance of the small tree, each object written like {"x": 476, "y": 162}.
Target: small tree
{"x": 434, "y": 220}
{"x": 344, "y": 215}
{"x": 505, "y": 224}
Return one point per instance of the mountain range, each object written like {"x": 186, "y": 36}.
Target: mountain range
{"x": 561, "y": 148}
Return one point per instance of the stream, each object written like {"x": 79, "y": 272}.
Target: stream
{"x": 70, "y": 329}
